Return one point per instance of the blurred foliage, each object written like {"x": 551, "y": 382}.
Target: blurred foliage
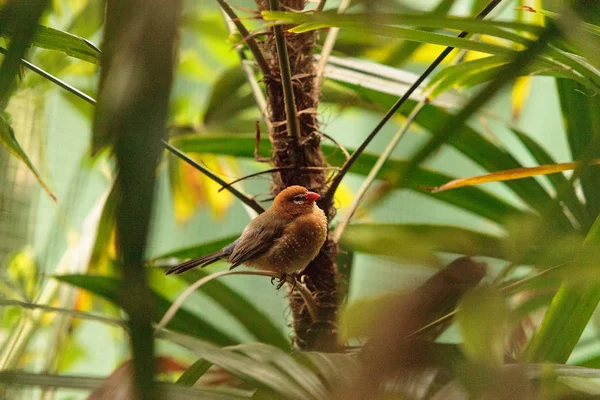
{"x": 451, "y": 337}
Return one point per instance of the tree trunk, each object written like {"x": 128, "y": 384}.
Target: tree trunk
{"x": 306, "y": 152}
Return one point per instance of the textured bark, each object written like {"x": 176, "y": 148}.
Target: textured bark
{"x": 322, "y": 272}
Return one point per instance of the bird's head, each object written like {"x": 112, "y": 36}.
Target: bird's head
{"x": 296, "y": 200}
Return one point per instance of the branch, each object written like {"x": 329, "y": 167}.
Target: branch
{"x": 293, "y": 124}
{"x": 346, "y": 167}
{"x": 304, "y": 292}
{"x": 243, "y": 197}
{"x": 258, "y": 56}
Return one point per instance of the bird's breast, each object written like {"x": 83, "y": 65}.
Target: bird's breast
{"x": 299, "y": 245}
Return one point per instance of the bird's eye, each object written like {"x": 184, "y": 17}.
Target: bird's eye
{"x": 299, "y": 199}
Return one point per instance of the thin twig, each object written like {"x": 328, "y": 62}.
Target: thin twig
{"x": 338, "y": 179}
{"x": 293, "y": 124}
{"x": 327, "y": 47}
{"x": 304, "y": 292}
{"x": 338, "y": 144}
{"x": 279, "y": 169}
{"x": 54, "y": 79}
{"x": 243, "y": 197}
{"x": 258, "y": 56}
{"x": 385, "y": 155}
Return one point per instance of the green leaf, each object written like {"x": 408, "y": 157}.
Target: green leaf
{"x": 568, "y": 315}
{"x": 195, "y": 251}
{"x": 167, "y": 391}
{"x": 183, "y": 321}
{"x": 419, "y": 242}
{"x": 226, "y": 100}
{"x": 582, "y": 122}
{"x": 9, "y": 142}
{"x": 194, "y": 372}
{"x": 18, "y": 22}
{"x": 482, "y": 318}
{"x": 471, "y": 199}
{"x": 63, "y": 42}
{"x": 261, "y": 374}
{"x": 364, "y": 22}
{"x": 471, "y": 73}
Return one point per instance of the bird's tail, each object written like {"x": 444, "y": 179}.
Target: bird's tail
{"x": 203, "y": 261}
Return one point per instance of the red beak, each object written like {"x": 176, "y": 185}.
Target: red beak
{"x": 312, "y": 196}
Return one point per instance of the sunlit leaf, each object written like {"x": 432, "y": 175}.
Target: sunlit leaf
{"x": 22, "y": 270}
{"x": 520, "y": 94}
{"x": 64, "y": 42}
{"x": 9, "y": 142}
{"x": 507, "y": 175}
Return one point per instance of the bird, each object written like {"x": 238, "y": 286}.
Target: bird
{"x": 284, "y": 239}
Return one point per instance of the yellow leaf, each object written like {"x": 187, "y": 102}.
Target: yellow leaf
{"x": 191, "y": 189}
{"x": 22, "y": 270}
{"x": 343, "y": 196}
{"x": 508, "y": 175}
{"x": 219, "y": 202}
{"x": 520, "y": 93}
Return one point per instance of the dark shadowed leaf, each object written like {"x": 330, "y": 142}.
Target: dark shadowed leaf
{"x": 194, "y": 372}
{"x": 261, "y": 374}
{"x": 183, "y": 321}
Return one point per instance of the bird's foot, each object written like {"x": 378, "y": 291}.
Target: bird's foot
{"x": 283, "y": 279}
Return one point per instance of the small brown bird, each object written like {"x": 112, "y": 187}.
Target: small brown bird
{"x": 283, "y": 239}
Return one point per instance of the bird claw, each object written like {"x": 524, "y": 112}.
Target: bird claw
{"x": 283, "y": 279}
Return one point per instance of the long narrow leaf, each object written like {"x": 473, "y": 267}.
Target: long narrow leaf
{"x": 260, "y": 374}
{"x": 64, "y": 42}
{"x": 471, "y": 199}
{"x": 420, "y": 242}
{"x": 9, "y": 142}
{"x": 582, "y": 122}
{"x": 184, "y": 321}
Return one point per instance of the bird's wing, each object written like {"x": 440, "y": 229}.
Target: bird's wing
{"x": 257, "y": 238}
